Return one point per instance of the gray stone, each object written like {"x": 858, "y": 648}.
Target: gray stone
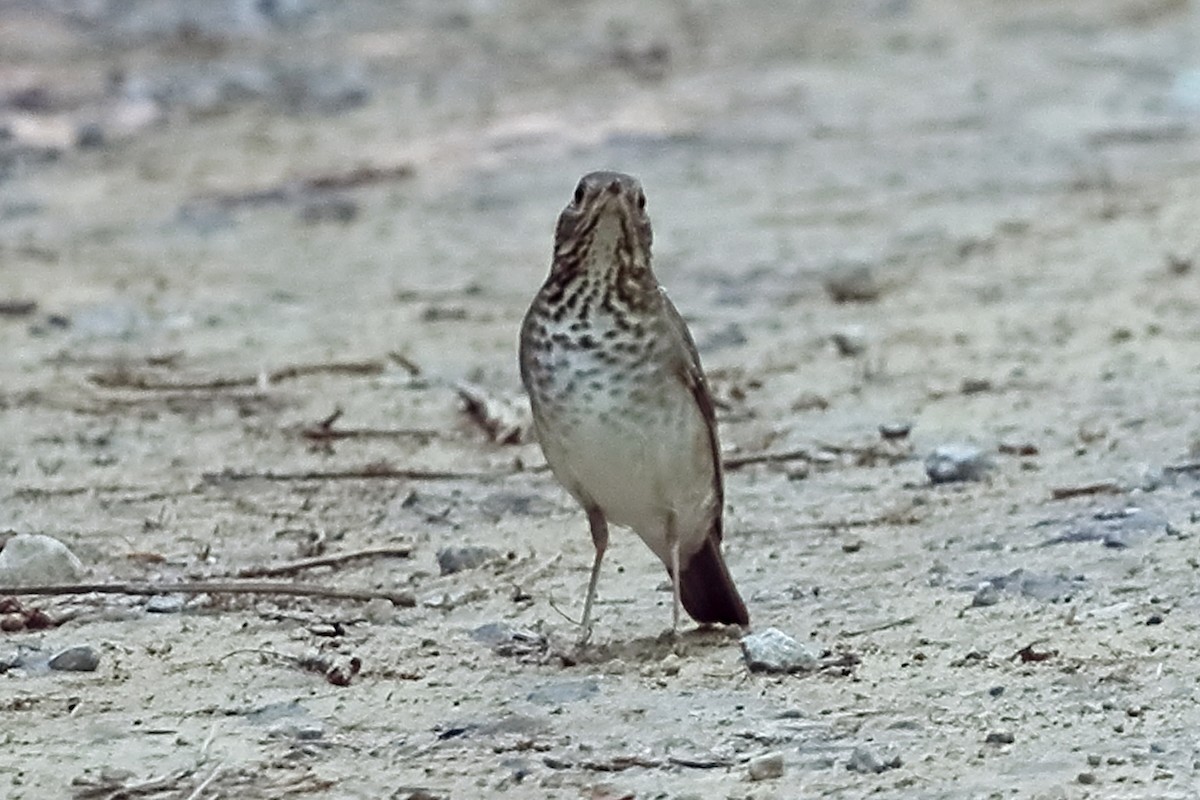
{"x": 301, "y": 730}
{"x": 986, "y": 595}
{"x": 957, "y": 462}
{"x": 75, "y": 659}
{"x": 1116, "y": 528}
{"x": 165, "y": 604}
{"x": 766, "y": 767}
{"x": 852, "y": 283}
{"x": 773, "y": 650}
{"x": 457, "y": 559}
{"x": 850, "y": 340}
{"x": 553, "y": 694}
{"x": 865, "y": 761}
{"x": 29, "y": 559}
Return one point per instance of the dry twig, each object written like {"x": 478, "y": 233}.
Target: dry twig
{"x": 324, "y": 431}
{"x": 369, "y": 472}
{"x": 1103, "y": 487}
{"x": 332, "y": 560}
{"x": 122, "y": 378}
{"x": 211, "y": 587}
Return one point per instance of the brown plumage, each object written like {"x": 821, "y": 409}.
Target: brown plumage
{"x": 620, "y": 403}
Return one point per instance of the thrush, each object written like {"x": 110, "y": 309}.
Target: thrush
{"x": 620, "y": 403}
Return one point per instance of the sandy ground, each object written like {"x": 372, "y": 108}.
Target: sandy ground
{"x": 1022, "y": 180}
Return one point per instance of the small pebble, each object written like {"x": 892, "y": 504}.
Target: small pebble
{"x": 893, "y": 431}
{"x": 301, "y": 730}
{"x": 75, "y": 659}
{"x": 560, "y": 692}
{"x": 852, "y": 283}
{"x": 457, "y": 559}
{"x": 996, "y": 691}
{"x": 379, "y": 611}
{"x": 1094, "y": 760}
{"x": 957, "y": 462}
{"x": 865, "y": 761}
{"x": 1155, "y": 619}
{"x": 850, "y": 340}
{"x": 772, "y": 650}
{"x": 1086, "y": 778}
{"x": 165, "y": 604}
{"x": 1000, "y": 737}
{"x": 766, "y": 767}
{"x": 986, "y": 595}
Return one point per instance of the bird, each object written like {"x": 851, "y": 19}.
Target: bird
{"x": 620, "y": 403}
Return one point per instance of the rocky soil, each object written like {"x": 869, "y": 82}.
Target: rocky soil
{"x": 261, "y": 270}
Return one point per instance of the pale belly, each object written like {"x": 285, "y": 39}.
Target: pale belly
{"x": 645, "y": 465}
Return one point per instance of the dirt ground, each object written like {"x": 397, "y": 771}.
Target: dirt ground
{"x": 234, "y": 222}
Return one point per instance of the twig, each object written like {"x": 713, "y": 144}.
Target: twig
{"x": 402, "y": 551}
{"x": 369, "y": 472}
{"x": 204, "y": 784}
{"x": 1187, "y": 466}
{"x": 734, "y": 462}
{"x": 211, "y": 587}
{"x": 883, "y": 626}
{"x": 620, "y": 764}
{"x": 294, "y": 189}
{"x": 17, "y": 308}
{"x": 1065, "y": 492}
{"x": 124, "y": 379}
{"x": 324, "y": 431}
{"x": 700, "y": 763}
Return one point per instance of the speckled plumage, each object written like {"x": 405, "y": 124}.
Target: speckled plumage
{"x": 620, "y": 404}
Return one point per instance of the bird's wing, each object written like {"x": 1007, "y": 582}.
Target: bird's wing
{"x": 687, "y": 368}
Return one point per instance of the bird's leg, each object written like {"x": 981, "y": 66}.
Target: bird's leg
{"x": 599, "y": 528}
{"x": 673, "y": 543}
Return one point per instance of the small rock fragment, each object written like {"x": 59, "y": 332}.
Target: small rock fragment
{"x": 1000, "y": 737}
{"x": 986, "y": 595}
{"x": 865, "y": 761}
{"x": 29, "y": 559}
{"x": 957, "y": 462}
{"x": 850, "y": 340}
{"x": 894, "y": 431}
{"x": 766, "y": 767}
{"x": 165, "y": 604}
{"x": 75, "y": 659}
{"x": 560, "y": 692}
{"x": 456, "y": 559}
{"x": 301, "y": 730}
{"x": 1086, "y": 778}
{"x": 852, "y": 283}
{"x": 772, "y": 650}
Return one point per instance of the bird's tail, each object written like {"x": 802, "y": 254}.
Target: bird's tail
{"x": 707, "y": 591}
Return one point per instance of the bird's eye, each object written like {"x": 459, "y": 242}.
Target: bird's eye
{"x": 579, "y": 194}
{"x": 641, "y": 201}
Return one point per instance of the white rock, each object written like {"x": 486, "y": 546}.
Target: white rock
{"x": 766, "y": 767}
{"x": 30, "y": 559}
{"x": 773, "y": 650}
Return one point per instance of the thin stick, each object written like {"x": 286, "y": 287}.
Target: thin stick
{"x": 324, "y": 431}
{"x": 369, "y": 472}
{"x": 1065, "y": 492}
{"x": 212, "y": 587}
{"x": 121, "y": 379}
{"x": 204, "y": 784}
{"x": 333, "y": 560}
{"x": 734, "y": 462}
{"x": 883, "y": 626}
